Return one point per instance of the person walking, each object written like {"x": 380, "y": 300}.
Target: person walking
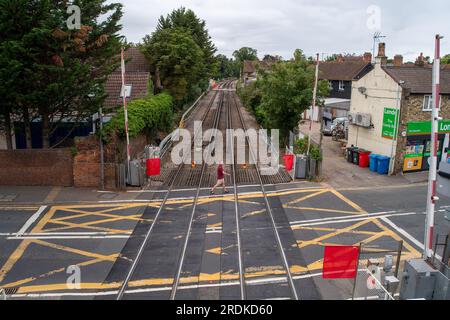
{"x": 220, "y": 179}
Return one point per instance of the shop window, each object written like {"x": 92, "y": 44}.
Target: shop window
{"x": 428, "y": 103}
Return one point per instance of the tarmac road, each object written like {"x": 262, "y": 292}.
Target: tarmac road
{"x": 41, "y": 243}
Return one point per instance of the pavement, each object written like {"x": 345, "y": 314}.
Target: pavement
{"x": 338, "y": 173}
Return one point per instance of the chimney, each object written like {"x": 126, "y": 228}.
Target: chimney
{"x": 398, "y": 60}
{"x": 420, "y": 61}
{"x": 368, "y": 57}
{"x": 382, "y": 50}
{"x": 381, "y": 58}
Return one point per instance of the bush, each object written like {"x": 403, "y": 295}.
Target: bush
{"x": 301, "y": 147}
{"x": 149, "y": 115}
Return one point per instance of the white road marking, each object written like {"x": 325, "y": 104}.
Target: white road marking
{"x": 406, "y": 235}
{"x": 160, "y": 289}
{"x": 352, "y": 220}
{"x": 343, "y": 217}
{"x": 67, "y": 237}
{"x": 31, "y": 220}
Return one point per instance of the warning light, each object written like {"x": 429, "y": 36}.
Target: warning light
{"x": 193, "y": 165}
{"x": 244, "y": 166}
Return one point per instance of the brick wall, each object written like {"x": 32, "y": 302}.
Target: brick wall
{"x": 412, "y": 110}
{"x": 86, "y": 167}
{"x": 47, "y": 167}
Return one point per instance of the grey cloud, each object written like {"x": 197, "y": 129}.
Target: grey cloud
{"x": 325, "y": 26}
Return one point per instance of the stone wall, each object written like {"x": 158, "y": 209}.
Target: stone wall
{"x": 43, "y": 167}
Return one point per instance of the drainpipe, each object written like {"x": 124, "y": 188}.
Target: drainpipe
{"x": 397, "y": 125}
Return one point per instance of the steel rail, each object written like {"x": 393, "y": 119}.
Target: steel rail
{"x": 236, "y": 208}
{"x": 155, "y": 220}
{"x": 269, "y": 209}
{"x": 194, "y": 208}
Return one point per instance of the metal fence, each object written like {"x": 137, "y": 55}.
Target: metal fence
{"x": 378, "y": 273}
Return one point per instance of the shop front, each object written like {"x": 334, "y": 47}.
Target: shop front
{"x": 418, "y": 145}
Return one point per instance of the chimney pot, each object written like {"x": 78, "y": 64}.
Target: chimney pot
{"x": 398, "y": 60}
{"x": 382, "y": 50}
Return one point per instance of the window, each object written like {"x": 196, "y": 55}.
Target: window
{"x": 127, "y": 90}
{"x": 428, "y": 103}
{"x": 330, "y": 85}
{"x": 341, "y": 85}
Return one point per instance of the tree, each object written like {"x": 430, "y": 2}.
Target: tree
{"x": 446, "y": 59}
{"x": 245, "y": 53}
{"x": 286, "y": 92}
{"x": 186, "y": 21}
{"x": 179, "y": 60}
{"x": 228, "y": 68}
{"x": 58, "y": 73}
{"x": 272, "y": 59}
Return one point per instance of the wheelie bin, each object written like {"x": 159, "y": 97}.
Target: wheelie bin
{"x": 364, "y": 158}
{"x": 373, "y": 162}
{"x": 383, "y": 165}
{"x": 355, "y": 155}
{"x": 350, "y": 154}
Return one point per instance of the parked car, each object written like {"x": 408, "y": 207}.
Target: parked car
{"x": 328, "y": 130}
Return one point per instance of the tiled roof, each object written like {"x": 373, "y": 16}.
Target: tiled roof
{"x": 249, "y": 66}
{"x": 113, "y": 87}
{"x": 138, "y": 62}
{"x": 419, "y": 79}
{"x": 137, "y": 74}
{"x": 345, "y": 71}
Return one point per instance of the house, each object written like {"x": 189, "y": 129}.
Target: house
{"x": 391, "y": 112}
{"x": 250, "y": 69}
{"x": 340, "y": 74}
{"x": 137, "y": 78}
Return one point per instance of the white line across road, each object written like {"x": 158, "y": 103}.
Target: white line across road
{"x": 32, "y": 220}
{"x": 254, "y": 282}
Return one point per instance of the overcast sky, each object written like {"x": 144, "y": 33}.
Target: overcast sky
{"x": 324, "y": 26}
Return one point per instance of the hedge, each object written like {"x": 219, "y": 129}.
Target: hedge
{"x": 149, "y": 115}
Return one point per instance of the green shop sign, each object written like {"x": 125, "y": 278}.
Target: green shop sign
{"x": 424, "y": 127}
{"x": 389, "y": 123}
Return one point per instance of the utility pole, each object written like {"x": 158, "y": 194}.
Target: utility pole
{"x": 102, "y": 157}
{"x": 313, "y": 103}
{"x": 125, "y": 113}
{"x": 432, "y": 178}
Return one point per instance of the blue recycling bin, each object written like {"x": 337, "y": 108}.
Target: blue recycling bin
{"x": 373, "y": 165}
{"x": 383, "y": 164}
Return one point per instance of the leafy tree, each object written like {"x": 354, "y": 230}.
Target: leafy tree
{"x": 272, "y": 59}
{"x": 228, "y": 68}
{"x": 245, "y": 53}
{"x": 446, "y": 59}
{"x": 60, "y": 72}
{"x": 286, "y": 92}
{"x": 179, "y": 60}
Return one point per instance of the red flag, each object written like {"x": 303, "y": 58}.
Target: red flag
{"x": 153, "y": 167}
{"x": 340, "y": 262}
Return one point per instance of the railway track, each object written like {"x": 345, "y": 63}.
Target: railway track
{"x": 162, "y": 211}
{"x": 165, "y": 254}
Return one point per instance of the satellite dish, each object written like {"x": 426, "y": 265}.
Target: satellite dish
{"x": 363, "y": 90}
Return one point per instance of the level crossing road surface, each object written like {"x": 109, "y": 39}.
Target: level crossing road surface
{"x": 40, "y": 244}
